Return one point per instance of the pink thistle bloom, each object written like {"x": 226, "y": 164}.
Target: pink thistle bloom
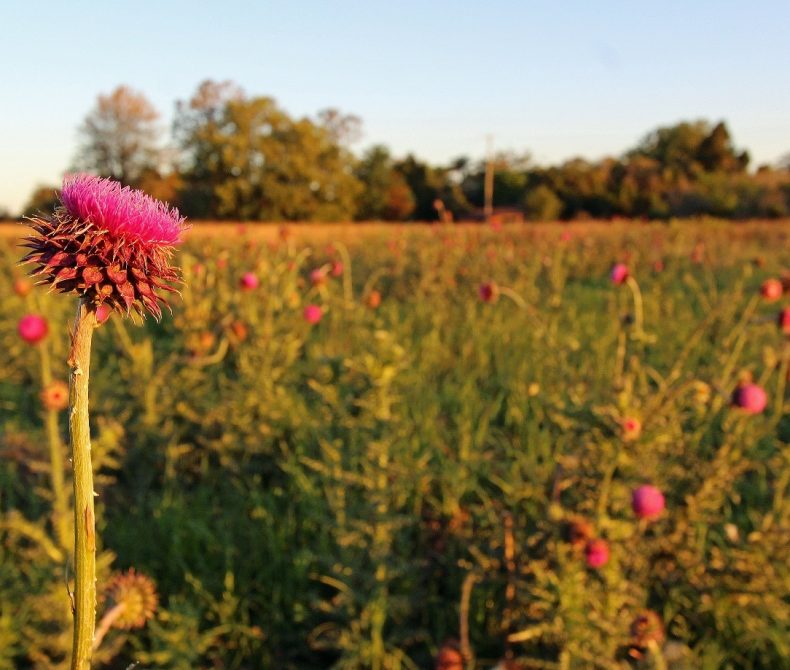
{"x": 596, "y": 553}
{"x": 771, "y": 290}
{"x": 22, "y": 287}
{"x": 249, "y": 281}
{"x": 337, "y": 269}
{"x": 488, "y": 291}
{"x": 317, "y": 277}
{"x": 32, "y": 328}
{"x": 121, "y": 211}
{"x": 647, "y": 502}
{"x": 312, "y": 314}
{"x": 566, "y": 236}
{"x": 109, "y": 244}
{"x": 783, "y": 320}
{"x": 751, "y": 398}
{"x": 619, "y": 273}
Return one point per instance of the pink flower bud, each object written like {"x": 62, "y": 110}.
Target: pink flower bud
{"x": 312, "y": 314}
{"x": 337, "y": 269}
{"x": 751, "y": 398}
{"x": 783, "y": 321}
{"x": 488, "y": 291}
{"x": 619, "y": 273}
{"x": 596, "y": 553}
{"x": 32, "y": 328}
{"x": 647, "y": 502}
{"x": 249, "y": 281}
{"x": 317, "y": 277}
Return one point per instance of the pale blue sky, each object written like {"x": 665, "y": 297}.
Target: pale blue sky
{"x": 559, "y": 79}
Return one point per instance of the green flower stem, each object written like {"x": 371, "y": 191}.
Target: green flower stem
{"x": 84, "y": 518}
{"x": 638, "y": 308}
{"x": 60, "y": 503}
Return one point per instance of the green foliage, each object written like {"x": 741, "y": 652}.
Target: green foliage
{"x": 249, "y": 160}
{"x": 346, "y": 494}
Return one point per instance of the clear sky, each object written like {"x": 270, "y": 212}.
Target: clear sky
{"x": 559, "y": 79}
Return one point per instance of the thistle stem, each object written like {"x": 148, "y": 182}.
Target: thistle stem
{"x": 84, "y": 518}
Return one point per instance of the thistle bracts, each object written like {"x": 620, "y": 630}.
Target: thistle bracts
{"x": 109, "y": 244}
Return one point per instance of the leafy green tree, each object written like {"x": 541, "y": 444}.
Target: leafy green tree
{"x": 542, "y": 204}
{"x": 247, "y": 159}
{"x": 119, "y": 137}
{"x": 385, "y": 195}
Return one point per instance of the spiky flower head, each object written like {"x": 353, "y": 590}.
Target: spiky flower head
{"x": 110, "y": 244}
{"x": 32, "y": 328}
{"x": 135, "y": 595}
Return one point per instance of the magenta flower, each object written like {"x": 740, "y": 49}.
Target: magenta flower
{"x": 109, "y": 244}
{"x": 121, "y": 211}
{"x": 647, "y": 502}
{"x": 596, "y": 553}
{"x": 317, "y": 277}
{"x": 312, "y": 314}
{"x": 32, "y": 328}
{"x": 619, "y": 273}
{"x": 488, "y": 291}
{"x": 249, "y": 281}
{"x": 337, "y": 269}
{"x": 751, "y": 398}
{"x": 783, "y": 321}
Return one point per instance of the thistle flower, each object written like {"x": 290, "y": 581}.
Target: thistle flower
{"x": 312, "y": 314}
{"x": 771, "y": 290}
{"x": 783, "y": 320}
{"x": 134, "y": 594}
{"x": 632, "y": 428}
{"x": 109, "y": 244}
{"x": 317, "y": 277}
{"x": 32, "y": 328}
{"x": 449, "y": 656}
{"x": 646, "y": 629}
{"x": 488, "y": 291}
{"x": 647, "y": 502}
{"x": 249, "y": 281}
{"x": 751, "y": 398}
{"x": 55, "y": 395}
{"x": 619, "y": 273}
{"x": 374, "y": 299}
{"x": 337, "y": 269}
{"x": 596, "y": 553}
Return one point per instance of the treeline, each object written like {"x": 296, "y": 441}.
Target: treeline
{"x": 239, "y": 157}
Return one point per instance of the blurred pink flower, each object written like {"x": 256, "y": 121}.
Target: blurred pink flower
{"x": 751, "y": 398}
{"x": 647, "y": 502}
{"x": 312, "y": 314}
{"x": 32, "y": 328}
{"x": 488, "y": 291}
{"x": 783, "y": 320}
{"x": 619, "y": 273}
{"x": 249, "y": 281}
{"x": 596, "y": 553}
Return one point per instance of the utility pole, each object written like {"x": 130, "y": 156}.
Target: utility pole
{"x": 488, "y": 185}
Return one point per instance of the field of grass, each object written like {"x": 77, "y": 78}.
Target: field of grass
{"x": 442, "y": 466}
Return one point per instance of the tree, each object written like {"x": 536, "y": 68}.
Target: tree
{"x": 119, "y": 137}
{"x": 385, "y": 195}
{"x": 247, "y": 159}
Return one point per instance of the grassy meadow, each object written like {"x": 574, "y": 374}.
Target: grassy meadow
{"x": 435, "y": 468}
